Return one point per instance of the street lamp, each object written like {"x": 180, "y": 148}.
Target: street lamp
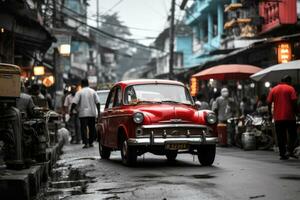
{"x": 39, "y": 70}
{"x": 267, "y": 84}
{"x": 65, "y": 49}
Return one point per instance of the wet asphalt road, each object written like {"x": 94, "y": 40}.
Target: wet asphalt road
{"x": 236, "y": 174}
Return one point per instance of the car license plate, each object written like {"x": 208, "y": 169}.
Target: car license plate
{"x": 174, "y": 146}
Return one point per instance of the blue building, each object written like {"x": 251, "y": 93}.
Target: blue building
{"x": 182, "y": 52}
{"x": 206, "y": 17}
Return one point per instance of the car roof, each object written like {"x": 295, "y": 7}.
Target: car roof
{"x": 148, "y": 81}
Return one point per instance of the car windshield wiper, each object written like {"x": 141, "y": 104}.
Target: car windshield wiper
{"x": 176, "y": 102}
{"x": 150, "y": 102}
{"x": 169, "y": 101}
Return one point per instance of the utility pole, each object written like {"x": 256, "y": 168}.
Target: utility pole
{"x": 171, "y": 50}
{"x": 98, "y": 13}
{"x": 54, "y": 14}
{"x": 183, "y": 4}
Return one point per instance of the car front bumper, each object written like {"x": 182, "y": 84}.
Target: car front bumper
{"x": 163, "y": 141}
{"x": 156, "y": 136}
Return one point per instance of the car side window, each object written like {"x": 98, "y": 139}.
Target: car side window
{"x": 130, "y": 95}
{"x": 111, "y": 98}
{"x": 118, "y": 97}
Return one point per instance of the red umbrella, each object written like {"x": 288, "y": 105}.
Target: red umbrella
{"x": 228, "y": 72}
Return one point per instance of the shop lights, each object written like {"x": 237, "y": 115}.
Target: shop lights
{"x": 39, "y": 70}
{"x": 48, "y": 81}
{"x": 194, "y": 86}
{"x": 267, "y": 84}
{"x": 284, "y": 53}
{"x": 65, "y": 49}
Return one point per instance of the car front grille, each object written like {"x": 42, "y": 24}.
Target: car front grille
{"x": 175, "y": 130}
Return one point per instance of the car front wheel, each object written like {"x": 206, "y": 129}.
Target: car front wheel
{"x": 206, "y": 154}
{"x": 104, "y": 151}
{"x": 129, "y": 154}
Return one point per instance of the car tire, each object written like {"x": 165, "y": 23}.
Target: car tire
{"x": 206, "y": 154}
{"x": 171, "y": 155}
{"x": 104, "y": 151}
{"x": 128, "y": 154}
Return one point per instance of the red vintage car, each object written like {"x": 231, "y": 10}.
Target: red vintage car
{"x": 157, "y": 116}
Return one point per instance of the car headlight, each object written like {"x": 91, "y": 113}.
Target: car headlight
{"x": 211, "y": 118}
{"x": 138, "y": 117}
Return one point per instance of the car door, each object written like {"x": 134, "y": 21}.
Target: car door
{"x": 106, "y": 118}
{"x": 116, "y": 116}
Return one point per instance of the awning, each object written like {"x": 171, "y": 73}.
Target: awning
{"x": 276, "y": 72}
{"x": 29, "y": 34}
{"x": 228, "y": 72}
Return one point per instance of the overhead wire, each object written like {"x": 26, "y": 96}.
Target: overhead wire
{"x": 115, "y": 5}
{"x": 108, "y": 34}
{"x": 153, "y": 10}
{"x": 112, "y": 24}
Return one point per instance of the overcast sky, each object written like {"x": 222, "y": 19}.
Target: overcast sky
{"x": 142, "y": 14}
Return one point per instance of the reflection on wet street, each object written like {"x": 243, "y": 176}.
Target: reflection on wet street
{"x": 81, "y": 174}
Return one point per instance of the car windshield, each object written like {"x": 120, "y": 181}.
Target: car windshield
{"x": 102, "y": 97}
{"x": 157, "y": 93}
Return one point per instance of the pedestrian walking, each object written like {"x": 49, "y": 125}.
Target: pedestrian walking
{"x": 73, "y": 123}
{"x": 222, "y": 107}
{"x": 284, "y": 98}
{"x": 88, "y": 104}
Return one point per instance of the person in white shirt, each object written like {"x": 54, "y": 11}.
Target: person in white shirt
{"x": 87, "y": 103}
{"x": 73, "y": 123}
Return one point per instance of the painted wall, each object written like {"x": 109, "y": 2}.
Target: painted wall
{"x": 184, "y": 44}
{"x": 206, "y": 17}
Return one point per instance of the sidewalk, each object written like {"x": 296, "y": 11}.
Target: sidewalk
{"x": 25, "y": 184}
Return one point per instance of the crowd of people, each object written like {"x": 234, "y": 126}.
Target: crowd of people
{"x": 80, "y": 109}
{"x": 227, "y": 106}
{"x": 280, "y": 104}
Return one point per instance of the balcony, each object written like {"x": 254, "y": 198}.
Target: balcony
{"x": 196, "y": 10}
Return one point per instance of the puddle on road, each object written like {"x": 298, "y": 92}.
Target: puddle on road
{"x": 202, "y": 176}
{"x": 66, "y": 181}
{"x": 291, "y": 177}
{"x": 150, "y": 176}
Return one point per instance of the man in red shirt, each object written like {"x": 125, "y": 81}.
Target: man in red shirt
{"x": 284, "y": 98}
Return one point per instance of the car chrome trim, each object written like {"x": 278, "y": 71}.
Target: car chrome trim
{"x": 117, "y": 115}
{"x": 162, "y": 141}
{"x": 174, "y": 126}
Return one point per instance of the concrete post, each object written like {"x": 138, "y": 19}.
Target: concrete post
{"x": 201, "y": 31}
{"x": 209, "y": 27}
{"x": 220, "y": 19}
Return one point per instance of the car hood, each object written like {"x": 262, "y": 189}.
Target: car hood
{"x": 169, "y": 113}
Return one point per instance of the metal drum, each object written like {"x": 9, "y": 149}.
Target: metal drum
{"x": 248, "y": 141}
